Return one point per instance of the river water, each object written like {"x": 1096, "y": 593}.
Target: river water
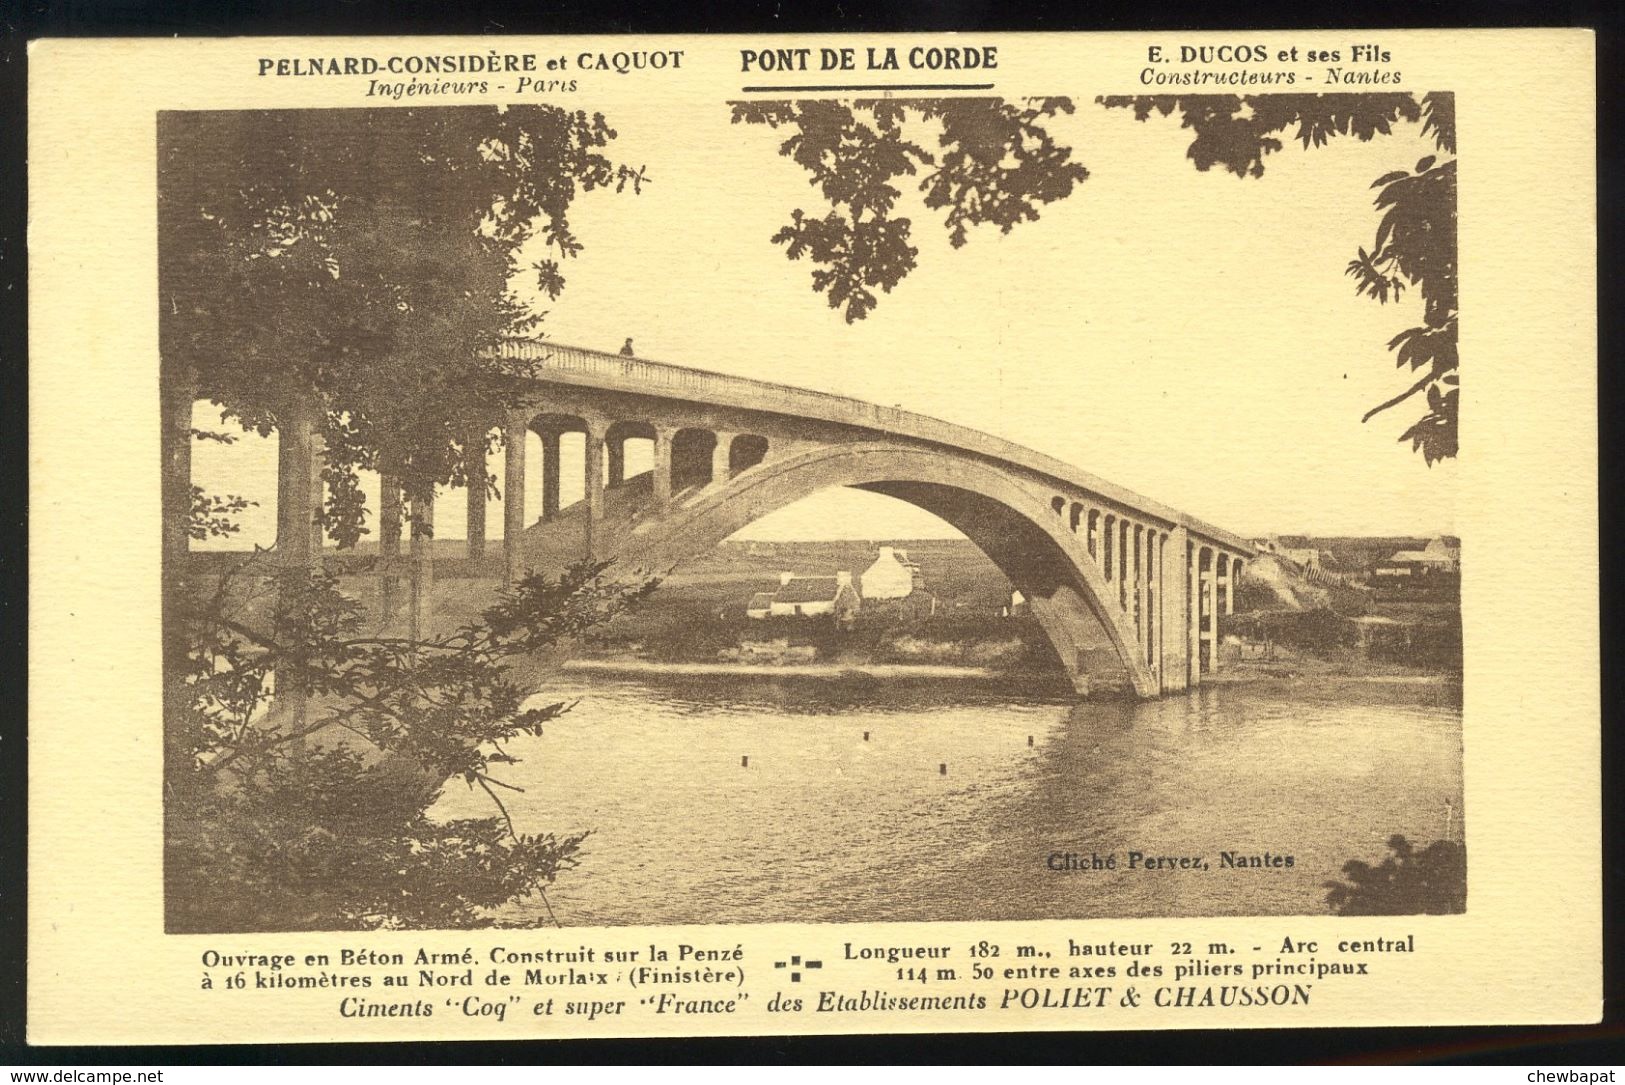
{"x": 823, "y": 825}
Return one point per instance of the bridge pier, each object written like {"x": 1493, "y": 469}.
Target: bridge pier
{"x": 297, "y": 536}
{"x": 1193, "y": 615}
{"x": 389, "y": 542}
{"x": 513, "y": 500}
{"x": 1154, "y": 640}
{"x": 720, "y": 463}
{"x": 421, "y": 616}
{"x": 1214, "y": 630}
{"x": 550, "y": 474}
{"x": 1123, "y": 564}
{"x": 474, "y": 468}
{"x": 662, "y": 468}
{"x": 318, "y": 493}
{"x": 594, "y": 456}
{"x": 296, "y": 483}
{"x": 1143, "y": 603}
{"x": 1175, "y": 672}
{"x": 176, "y": 498}
{"x": 1108, "y": 547}
{"x": 1147, "y": 591}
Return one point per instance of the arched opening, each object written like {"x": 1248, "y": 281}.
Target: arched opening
{"x": 1123, "y": 568}
{"x": 691, "y": 454}
{"x": 563, "y": 461}
{"x": 1149, "y": 628}
{"x": 479, "y": 451}
{"x": 1036, "y": 552}
{"x": 1077, "y": 517}
{"x": 1108, "y": 549}
{"x": 1058, "y": 504}
{"x": 628, "y": 452}
{"x": 535, "y": 451}
{"x": 746, "y": 452}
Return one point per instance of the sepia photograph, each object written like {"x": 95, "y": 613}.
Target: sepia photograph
{"x": 781, "y": 535}
{"x": 969, "y": 508}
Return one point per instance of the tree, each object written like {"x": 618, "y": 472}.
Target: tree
{"x": 1432, "y": 881}
{"x": 1415, "y": 242}
{"x": 995, "y": 163}
{"x": 326, "y": 825}
{"x": 354, "y": 268}
{"x": 347, "y": 274}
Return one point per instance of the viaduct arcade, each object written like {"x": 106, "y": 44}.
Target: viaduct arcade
{"x": 727, "y": 450}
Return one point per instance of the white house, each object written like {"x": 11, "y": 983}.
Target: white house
{"x": 892, "y": 576}
{"x": 1438, "y": 556}
{"x": 810, "y": 596}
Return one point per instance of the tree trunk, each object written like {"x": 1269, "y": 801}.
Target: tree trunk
{"x": 474, "y": 467}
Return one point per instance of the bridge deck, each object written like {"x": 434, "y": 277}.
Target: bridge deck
{"x": 599, "y": 369}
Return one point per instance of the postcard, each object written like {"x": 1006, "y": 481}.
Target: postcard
{"x": 685, "y": 536}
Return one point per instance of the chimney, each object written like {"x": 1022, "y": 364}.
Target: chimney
{"x": 785, "y": 578}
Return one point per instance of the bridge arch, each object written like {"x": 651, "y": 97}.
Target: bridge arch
{"x": 1010, "y": 520}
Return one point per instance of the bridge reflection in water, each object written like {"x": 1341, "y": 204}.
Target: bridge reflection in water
{"x": 825, "y": 825}
{"x": 729, "y": 450}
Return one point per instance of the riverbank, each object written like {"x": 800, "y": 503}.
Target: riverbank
{"x": 1352, "y": 668}
{"x": 799, "y": 670}
{"x": 1326, "y": 675}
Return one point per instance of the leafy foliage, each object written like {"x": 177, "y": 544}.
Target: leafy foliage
{"x": 1415, "y": 243}
{"x": 315, "y": 817}
{"x": 357, "y": 268}
{"x": 214, "y": 515}
{"x": 1432, "y": 881}
{"x": 994, "y": 163}
{"x": 362, "y": 262}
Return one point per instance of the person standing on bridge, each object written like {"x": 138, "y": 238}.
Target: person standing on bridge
{"x": 626, "y": 348}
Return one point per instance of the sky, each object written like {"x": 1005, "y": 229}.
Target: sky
{"x": 1190, "y": 336}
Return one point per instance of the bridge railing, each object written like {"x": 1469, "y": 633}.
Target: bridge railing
{"x": 641, "y": 375}
{"x": 708, "y": 385}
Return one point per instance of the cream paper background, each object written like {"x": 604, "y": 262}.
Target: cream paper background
{"x": 1523, "y": 494}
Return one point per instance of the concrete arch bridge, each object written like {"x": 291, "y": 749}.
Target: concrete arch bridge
{"x": 728, "y": 450}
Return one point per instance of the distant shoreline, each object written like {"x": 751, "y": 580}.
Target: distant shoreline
{"x": 1316, "y": 671}
{"x": 800, "y": 670}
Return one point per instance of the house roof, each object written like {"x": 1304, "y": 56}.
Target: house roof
{"x": 1422, "y": 557}
{"x": 900, "y": 557}
{"x": 808, "y": 589}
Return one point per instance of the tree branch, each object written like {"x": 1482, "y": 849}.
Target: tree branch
{"x": 1402, "y": 397}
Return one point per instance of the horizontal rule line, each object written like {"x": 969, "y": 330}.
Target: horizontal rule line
{"x": 876, "y": 86}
